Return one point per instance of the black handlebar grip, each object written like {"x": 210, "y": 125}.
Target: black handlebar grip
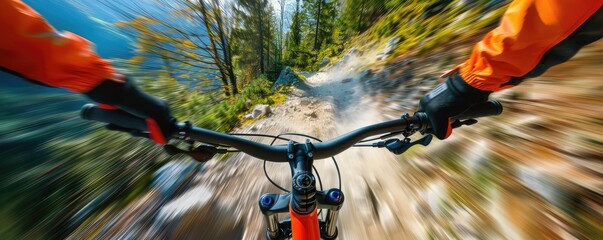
{"x": 489, "y": 108}
{"x": 117, "y": 117}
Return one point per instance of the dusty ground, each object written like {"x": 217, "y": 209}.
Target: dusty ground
{"x": 532, "y": 173}
{"x": 326, "y": 105}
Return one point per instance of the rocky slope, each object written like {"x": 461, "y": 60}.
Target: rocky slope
{"x": 532, "y": 173}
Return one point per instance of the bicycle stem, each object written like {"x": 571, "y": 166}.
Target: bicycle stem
{"x": 302, "y": 202}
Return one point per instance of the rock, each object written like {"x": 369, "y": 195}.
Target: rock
{"x": 389, "y": 48}
{"x": 294, "y": 102}
{"x": 169, "y": 177}
{"x": 328, "y": 107}
{"x": 287, "y": 76}
{"x": 365, "y": 74}
{"x": 346, "y": 80}
{"x": 352, "y": 51}
{"x": 409, "y": 61}
{"x": 324, "y": 63}
{"x": 214, "y": 219}
{"x": 379, "y": 76}
{"x": 306, "y": 101}
{"x": 406, "y": 75}
{"x": 258, "y": 111}
{"x": 391, "y": 45}
{"x": 312, "y": 114}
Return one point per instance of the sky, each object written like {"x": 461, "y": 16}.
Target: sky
{"x": 93, "y": 20}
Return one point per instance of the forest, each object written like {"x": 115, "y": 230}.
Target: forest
{"x": 213, "y": 61}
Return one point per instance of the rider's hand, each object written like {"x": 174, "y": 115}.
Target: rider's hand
{"x": 125, "y": 96}
{"x": 447, "y": 100}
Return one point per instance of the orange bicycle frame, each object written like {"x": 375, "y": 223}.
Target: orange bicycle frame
{"x": 304, "y": 226}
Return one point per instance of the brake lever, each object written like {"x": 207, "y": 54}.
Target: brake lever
{"x": 201, "y": 153}
{"x": 398, "y": 146}
{"x": 133, "y": 132}
{"x": 459, "y": 123}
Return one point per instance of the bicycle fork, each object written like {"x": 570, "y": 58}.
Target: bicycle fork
{"x": 302, "y": 202}
{"x": 271, "y": 204}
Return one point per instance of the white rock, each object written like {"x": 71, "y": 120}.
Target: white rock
{"x": 259, "y": 110}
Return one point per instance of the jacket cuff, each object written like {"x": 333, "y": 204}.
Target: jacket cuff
{"x": 480, "y": 82}
{"x": 462, "y": 88}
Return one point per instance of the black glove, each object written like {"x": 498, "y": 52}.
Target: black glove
{"x": 447, "y": 100}
{"x": 127, "y": 97}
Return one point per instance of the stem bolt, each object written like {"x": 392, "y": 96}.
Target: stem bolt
{"x": 334, "y": 195}
{"x": 267, "y": 201}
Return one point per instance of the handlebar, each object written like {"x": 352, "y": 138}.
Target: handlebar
{"x": 278, "y": 153}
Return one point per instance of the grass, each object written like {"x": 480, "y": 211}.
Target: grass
{"x": 278, "y": 98}
{"x": 422, "y": 36}
{"x": 229, "y": 113}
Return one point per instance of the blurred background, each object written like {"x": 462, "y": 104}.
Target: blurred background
{"x": 318, "y": 67}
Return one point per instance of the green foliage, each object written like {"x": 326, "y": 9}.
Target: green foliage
{"x": 254, "y": 38}
{"x": 66, "y": 167}
{"x": 421, "y": 28}
{"x": 226, "y": 114}
{"x": 358, "y": 15}
{"x": 180, "y": 48}
{"x": 54, "y": 164}
{"x": 314, "y": 29}
{"x": 258, "y": 90}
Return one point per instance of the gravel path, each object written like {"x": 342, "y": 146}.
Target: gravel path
{"x": 532, "y": 173}
{"x": 327, "y": 104}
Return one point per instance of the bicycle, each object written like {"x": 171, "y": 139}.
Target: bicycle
{"x": 304, "y": 200}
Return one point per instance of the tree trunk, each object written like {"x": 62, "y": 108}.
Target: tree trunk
{"x": 269, "y": 37}
{"x": 276, "y": 60}
{"x": 226, "y": 49}
{"x": 233, "y": 77}
{"x": 296, "y": 28}
{"x": 214, "y": 48}
{"x": 261, "y": 40}
{"x": 317, "y": 24}
{"x": 281, "y": 46}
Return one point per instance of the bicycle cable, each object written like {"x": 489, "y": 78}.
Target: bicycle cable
{"x": 279, "y": 137}
{"x": 274, "y": 138}
{"x": 313, "y": 167}
{"x": 319, "y": 140}
{"x": 258, "y": 135}
{"x": 379, "y": 137}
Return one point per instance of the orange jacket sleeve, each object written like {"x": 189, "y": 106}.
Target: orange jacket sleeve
{"x": 528, "y": 30}
{"x": 32, "y": 48}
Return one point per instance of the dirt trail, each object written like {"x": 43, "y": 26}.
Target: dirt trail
{"x": 220, "y": 200}
{"x": 532, "y": 173}
{"x": 328, "y": 104}
{"x": 484, "y": 182}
